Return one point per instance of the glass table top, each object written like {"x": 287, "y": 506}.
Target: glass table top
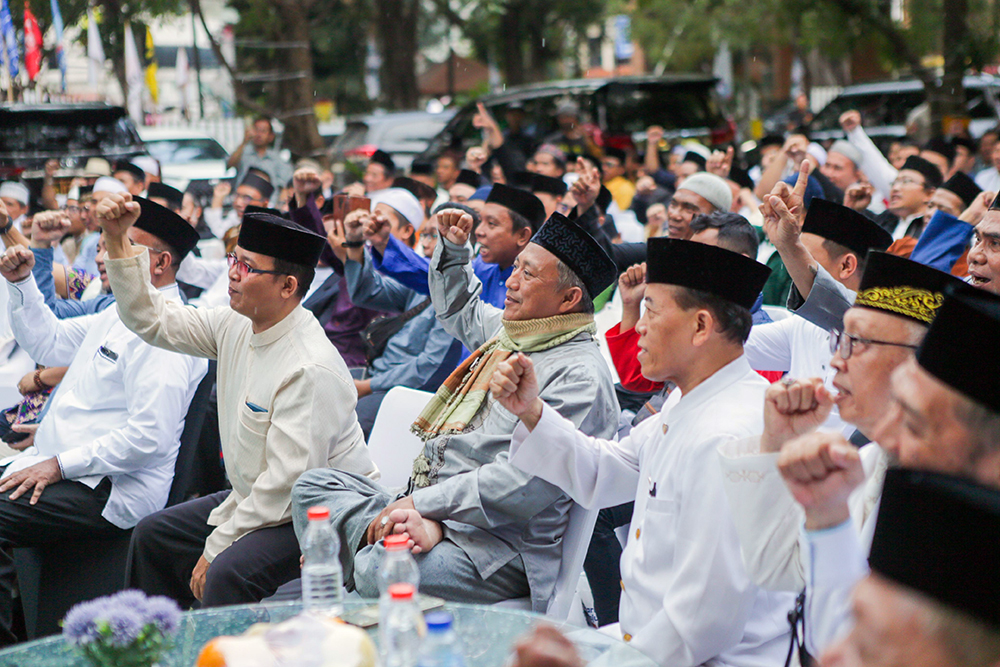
{"x": 487, "y": 636}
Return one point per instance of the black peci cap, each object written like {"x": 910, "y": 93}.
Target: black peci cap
{"x": 903, "y": 287}
{"x": 167, "y": 226}
{"x": 940, "y": 535}
{"x": 579, "y": 251}
{"x": 845, "y": 226}
{"x": 277, "y": 237}
{"x": 722, "y": 273}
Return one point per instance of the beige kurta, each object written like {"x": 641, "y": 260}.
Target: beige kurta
{"x": 286, "y": 398}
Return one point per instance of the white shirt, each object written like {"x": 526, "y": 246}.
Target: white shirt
{"x": 686, "y": 597}
{"x": 801, "y": 349}
{"x": 218, "y": 223}
{"x": 120, "y": 409}
{"x": 988, "y": 179}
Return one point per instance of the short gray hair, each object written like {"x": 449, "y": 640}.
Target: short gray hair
{"x": 568, "y": 279}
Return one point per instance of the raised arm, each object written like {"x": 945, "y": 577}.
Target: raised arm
{"x": 48, "y": 340}
{"x": 142, "y": 308}
{"x": 548, "y": 444}
{"x": 455, "y": 289}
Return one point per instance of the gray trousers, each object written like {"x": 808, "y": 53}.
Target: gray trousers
{"x": 446, "y": 571}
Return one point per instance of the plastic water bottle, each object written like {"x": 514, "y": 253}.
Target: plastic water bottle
{"x": 398, "y": 566}
{"x": 322, "y": 575}
{"x": 441, "y": 647}
{"x": 401, "y": 628}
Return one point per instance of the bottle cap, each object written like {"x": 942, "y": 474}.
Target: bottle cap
{"x": 438, "y": 621}
{"x": 401, "y": 591}
{"x": 318, "y": 513}
{"x": 396, "y": 542}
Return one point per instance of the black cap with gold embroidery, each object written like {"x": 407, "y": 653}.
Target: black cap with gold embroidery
{"x": 902, "y": 287}
{"x": 940, "y": 535}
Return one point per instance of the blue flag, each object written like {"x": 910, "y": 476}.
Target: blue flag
{"x": 9, "y": 37}
{"x": 60, "y": 53}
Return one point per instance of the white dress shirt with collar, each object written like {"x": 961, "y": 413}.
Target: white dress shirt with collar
{"x": 686, "y": 597}
{"x": 119, "y": 411}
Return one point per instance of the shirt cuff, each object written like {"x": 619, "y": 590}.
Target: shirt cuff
{"x": 834, "y": 555}
{"x": 24, "y": 291}
{"x": 73, "y": 463}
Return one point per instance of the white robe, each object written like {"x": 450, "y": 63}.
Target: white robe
{"x": 686, "y": 597}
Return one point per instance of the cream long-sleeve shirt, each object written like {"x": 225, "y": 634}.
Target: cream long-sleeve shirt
{"x": 286, "y": 398}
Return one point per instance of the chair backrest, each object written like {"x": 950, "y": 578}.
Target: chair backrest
{"x": 391, "y": 445}
{"x": 187, "y": 455}
{"x": 576, "y": 541}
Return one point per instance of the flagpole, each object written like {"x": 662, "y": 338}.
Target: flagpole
{"x": 197, "y": 67}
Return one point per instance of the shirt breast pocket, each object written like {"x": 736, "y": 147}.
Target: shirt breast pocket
{"x": 659, "y": 532}
{"x": 252, "y": 435}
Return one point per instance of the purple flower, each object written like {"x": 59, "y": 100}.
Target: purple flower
{"x": 124, "y": 624}
{"x": 163, "y": 613}
{"x": 80, "y": 625}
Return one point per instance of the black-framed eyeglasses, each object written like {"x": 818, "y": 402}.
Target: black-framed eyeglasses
{"x": 845, "y": 342}
{"x": 243, "y": 268}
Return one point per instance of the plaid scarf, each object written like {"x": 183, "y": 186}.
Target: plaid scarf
{"x": 461, "y": 396}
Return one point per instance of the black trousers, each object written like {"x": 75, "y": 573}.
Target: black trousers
{"x": 602, "y": 562}
{"x": 167, "y": 545}
{"x": 65, "y": 510}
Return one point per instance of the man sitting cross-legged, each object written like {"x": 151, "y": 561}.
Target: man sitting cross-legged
{"x": 103, "y": 455}
{"x": 484, "y": 531}
{"x": 286, "y": 405}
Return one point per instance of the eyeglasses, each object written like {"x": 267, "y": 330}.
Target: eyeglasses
{"x": 72, "y": 209}
{"x": 243, "y": 268}
{"x": 431, "y": 234}
{"x": 845, "y": 342}
{"x": 903, "y": 181}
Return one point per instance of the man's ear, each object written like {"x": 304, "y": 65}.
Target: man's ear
{"x": 848, "y": 265}
{"x": 571, "y": 300}
{"x": 704, "y": 324}
{"x": 290, "y": 287}
{"x": 523, "y": 236}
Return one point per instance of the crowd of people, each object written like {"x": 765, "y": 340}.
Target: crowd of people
{"x": 794, "y": 413}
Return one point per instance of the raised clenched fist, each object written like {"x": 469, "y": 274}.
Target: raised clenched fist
{"x": 16, "y": 263}
{"x": 455, "y": 225}
{"x": 116, "y": 213}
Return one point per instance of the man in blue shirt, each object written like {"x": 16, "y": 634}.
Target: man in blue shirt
{"x": 501, "y": 236}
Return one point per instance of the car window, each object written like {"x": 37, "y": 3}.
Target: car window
{"x": 632, "y": 108}
{"x": 179, "y": 151}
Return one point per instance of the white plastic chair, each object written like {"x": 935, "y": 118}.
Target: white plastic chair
{"x": 566, "y": 604}
{"x": 391, "y": 445}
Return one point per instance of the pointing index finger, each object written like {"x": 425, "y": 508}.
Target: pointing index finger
{"x": 800, "y": 184}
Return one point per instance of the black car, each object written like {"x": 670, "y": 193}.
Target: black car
{"x": 686, "y": 106}
{"x": 32, "y": 134}
{"x": 885, "y": 105}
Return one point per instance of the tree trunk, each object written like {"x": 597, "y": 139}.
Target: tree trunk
{"x": 513, "y": 55}
{"x": 947, "y": 98}
{"x": 297, "y": 96}
{"x": 397, "y": 35}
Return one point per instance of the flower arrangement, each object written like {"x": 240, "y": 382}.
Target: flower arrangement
{"x": 126, "y": 629}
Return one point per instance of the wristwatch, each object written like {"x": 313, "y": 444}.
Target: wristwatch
{"x": 352, "y": 244}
